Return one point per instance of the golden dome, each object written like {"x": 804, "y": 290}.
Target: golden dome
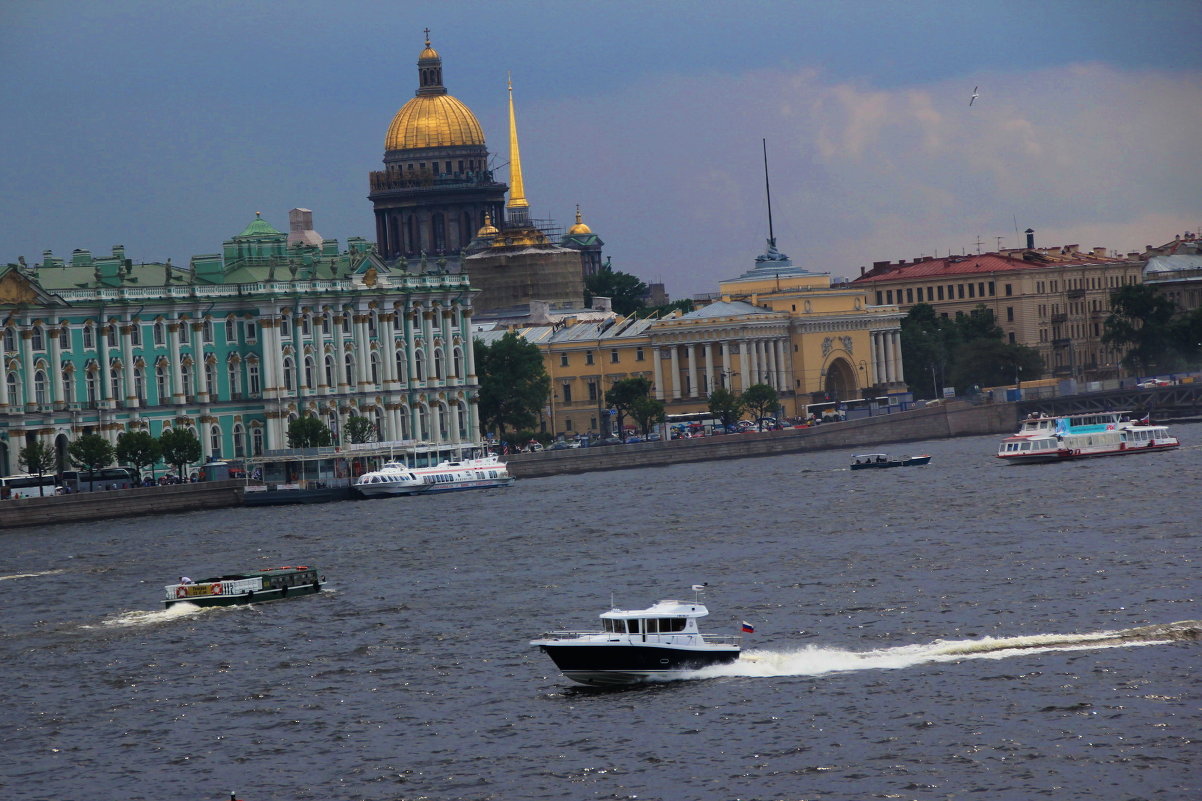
{"x": 579, "y": 227}
{"x": 433, "y": 121}
{"x": 488, "y": 229}
{"x": 429, "y": 52}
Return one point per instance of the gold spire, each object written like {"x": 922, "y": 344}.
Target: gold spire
{"x": 517, "y": 192}
{"x": 579, "y": 227}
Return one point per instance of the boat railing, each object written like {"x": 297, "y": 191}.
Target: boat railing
{"x": 721, "y": 639}
{"x": 708, "y": 639}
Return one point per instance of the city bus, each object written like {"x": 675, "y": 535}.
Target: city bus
{"x": 27, "y": 486}
{"x": 103, "y": 479}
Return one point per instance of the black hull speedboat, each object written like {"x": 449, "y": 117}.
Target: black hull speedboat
{"x": 877, "y": 461}
{"x": 638, "y": 645}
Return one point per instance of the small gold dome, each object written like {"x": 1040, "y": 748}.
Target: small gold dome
{"x": 429, "y": 52}
{"x": 579, "y": 227}
{"x": 433, "y": 121}
{"x": 488, "y": 229}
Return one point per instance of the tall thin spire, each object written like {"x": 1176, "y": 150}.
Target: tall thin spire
{"x": 517, "y": 192}
{"x": 768, "y": 193}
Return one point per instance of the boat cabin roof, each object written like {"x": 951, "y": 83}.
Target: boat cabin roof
{"x": 268, "y": 571}
{"x": 661, "y": 609}
{"x": 869, "y": 455}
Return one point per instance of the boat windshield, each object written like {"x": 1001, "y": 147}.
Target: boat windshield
{"x": 651, "y": 625}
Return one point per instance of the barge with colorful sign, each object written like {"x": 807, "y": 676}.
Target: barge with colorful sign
{"x": 252, "y": 586}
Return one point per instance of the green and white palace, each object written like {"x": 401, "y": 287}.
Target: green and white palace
{"x": 234, "y": 347}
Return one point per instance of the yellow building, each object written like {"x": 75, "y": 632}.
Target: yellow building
{"x": 775, "y": 324}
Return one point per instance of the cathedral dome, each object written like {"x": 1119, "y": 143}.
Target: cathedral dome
{"x": 579, "y": 227}
{"x": 433, "y": 121}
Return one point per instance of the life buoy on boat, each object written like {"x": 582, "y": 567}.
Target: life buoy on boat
{"x": 215, "y": 589}
{"x": 180, "y": 592}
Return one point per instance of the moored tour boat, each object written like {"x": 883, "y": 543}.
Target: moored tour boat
{"x": 872, "y": 461}
{"x": 636, "y": 645}
{"x": 1052, "y": 439}
{"x": 394, "y": 478}
{"x": 252, "y": 586}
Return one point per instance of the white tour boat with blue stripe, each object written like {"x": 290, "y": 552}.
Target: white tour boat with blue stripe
{"x": 1052, "y": 439}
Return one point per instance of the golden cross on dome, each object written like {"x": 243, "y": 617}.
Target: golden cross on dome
{"x": 427, "y": 31}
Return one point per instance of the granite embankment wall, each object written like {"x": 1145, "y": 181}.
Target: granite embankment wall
{"x": 54, "y": 510}
{"x": 872, "y": 433}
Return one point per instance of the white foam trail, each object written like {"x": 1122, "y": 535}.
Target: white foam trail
{"x": 32, "y": 575}
{"x": 138, "y": 617}
{"x": 815, "y": 660}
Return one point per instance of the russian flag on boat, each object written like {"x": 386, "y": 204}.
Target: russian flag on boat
{"x": 747, "y": 627}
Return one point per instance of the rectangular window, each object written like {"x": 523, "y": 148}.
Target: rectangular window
{"x": 981, "y": 289}
{"x": 638, "y": 354}
{"x": 1011, "y": 337}
{"x": 592, "y": 424}
{"x": 1009, "y": 314}
{"x": 880, "y": 301}
{"x": 567, "y": 424}
{"x": 230, "y": 331}
{"x": 972, "y": 291}
{"x": 961, "y": 291}
{"x": 251, "y": 333}
{"x": 207, "y": 332}
{"x": 563, "y": 360}
{"x": 592, "y": 391}
{"x": 64, "y": 338}
{"x": 613, "y": 356}
{"x": 135, "y": 334}
{"x": 992, "y": 290}
{"x": 567, "y": 393}
{"x": 941, "y": 291}
{"x": 888, "y": 297}
{"x": 909, "y": 295}
{"x": 112, "y": 336}
{"x": 588, "y": 357}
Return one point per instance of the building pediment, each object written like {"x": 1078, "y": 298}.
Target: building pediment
{"x": 16, "y": 288}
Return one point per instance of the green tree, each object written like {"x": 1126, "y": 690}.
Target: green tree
{"x": 92, "y": 452}
{"x": 761, "y": 399}
{"x": 991, "y": 362}
{"x": 623, "y": 394}
{"x": 37, "y": 459}
{"x": 514, "y": 385}
{"x": 625, "y": 291}
{"x": 138, "y": 448}
{"x": 1141, "y": 320}
{"x": 307, "y": 431}
{"x": 726, "y": 406}
{"x": 647, "y": 411}
{"x": 180, "y": 448}
{"x": 360, "y": 429}
{"x": 684, "y": 306}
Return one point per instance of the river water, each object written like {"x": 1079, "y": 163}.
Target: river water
{"x": 963, "y": 630}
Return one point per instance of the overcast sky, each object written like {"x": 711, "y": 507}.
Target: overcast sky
{"x": 164, "y": 126}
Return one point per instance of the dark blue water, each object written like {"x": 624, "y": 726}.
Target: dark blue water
{"x": 897, "y": 653}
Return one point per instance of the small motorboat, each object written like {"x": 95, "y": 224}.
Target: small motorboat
{"x": 872, "y": 461}
{"x": 639, "y": 644}
{"x": 243, "y": 588}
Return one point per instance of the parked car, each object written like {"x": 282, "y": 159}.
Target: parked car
{"x": 563, "y": 446}
{"x": 1153, "y": 383}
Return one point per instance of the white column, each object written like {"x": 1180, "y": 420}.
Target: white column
{"x": 878, "y": 358}
{"x": 782, "y": 374}
{"x": 659, "y": 373}
{"x": 895, "y": 341}
{"x": 56, "y": 370}
{"x": 102, "y": 353}
{"x": 473, "y": 420}
{"x": 470, "y": 345}
{"x": 708, "y": 354}
{"x": 387, "y": 337}
{"x": 675, "y": 372}
{"x": 268, "y": 371}
{"x": 744, "y": 365}
{"x": 428, "y": 346}
{"x": 198, "y": 364}
{"x": 448, "y": 347}
{"x": 453, "y": 411}
{"x": 727, "y": 373}
{"x": 177, "y": 374}
{"x": 3, "y": 370}
{"x": 340, "y": 375}
{"x": 694, "y": 386}
{"x": 753, "y": 369}
{"x": 127, "y": 354}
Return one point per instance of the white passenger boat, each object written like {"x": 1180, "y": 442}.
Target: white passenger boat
{"x": 1050, "y": 439}
{"x": 636, "y": 645}
{"x": 396, "y": 478}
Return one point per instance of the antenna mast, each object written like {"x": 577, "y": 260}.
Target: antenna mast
{"x": 768, "y": 192}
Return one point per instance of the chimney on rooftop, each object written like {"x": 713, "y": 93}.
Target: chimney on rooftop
{"x": 1030, "y": 232}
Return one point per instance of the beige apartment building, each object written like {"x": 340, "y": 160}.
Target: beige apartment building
{"x": 1054, "y": 300}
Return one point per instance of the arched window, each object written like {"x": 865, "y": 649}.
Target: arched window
{"x": 256, "y": 440}
{"x": 10, "y": 339}
{"x": 38, "y": 340}
{"x": 160, "y": 332}
{"x": 252, "y": 378}
{"x": 289, "y": 383}
{"x": 160, "y": 382}
{"x": 374, "y": 361}
{"x": 444, "y": 423}
{"x": 457, "y": 363}
{"x": 461, "y": 412}
{"x": 349, "y": 359}
{"x": 233, "y": 371}
{"x": 140, "y": 384}
{"x": 111, "y": 335}
{"x": 335, "y": 429}
{"x": 405, "y": 417}
{"x": 14, "y": 389}
{"x": 68, "y": 385}
{"x": 91, "y": 384}
{"x": 423, "y": 423}
{"x": 215, "y": 441}
{"x": 330, "y": 382}
{"x": 419, "y": 367}
{"x": 402, "y": 364}
{"x": 185, "y": 374}
{"x": 239, "y": 435}
{"x": 116, "y": 386}
{"x": 64, "y": 337}
{"x": 310, "y": 376}
{"x": 39, "y": 388}
{"x": 438, "y": 364}
{"x": 211, "y": 379}
{"x": 379, "y": 420}
{"x": 325, "y": 324}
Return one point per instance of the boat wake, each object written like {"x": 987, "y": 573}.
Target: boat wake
{"x": 32, "y": 575}
{"x": 816, "y": 661}
{"x": 138, "y": 617}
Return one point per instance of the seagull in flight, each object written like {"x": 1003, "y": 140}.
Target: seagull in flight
{"x": 974, "y": 95}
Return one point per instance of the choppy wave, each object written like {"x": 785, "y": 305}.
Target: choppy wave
{"x": 816, "y": 660}
{"x": 32, "y": 575}
{"x": 137, "y": 617}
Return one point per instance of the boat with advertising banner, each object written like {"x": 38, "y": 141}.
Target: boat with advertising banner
{"x": 640, "y": 644}
{"x": 252, "y": 586}
{"x": 396, "y": 478}
{"x": 1043, "y": 438}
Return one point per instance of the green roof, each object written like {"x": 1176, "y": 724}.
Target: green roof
{"x": 260, "y": 227}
